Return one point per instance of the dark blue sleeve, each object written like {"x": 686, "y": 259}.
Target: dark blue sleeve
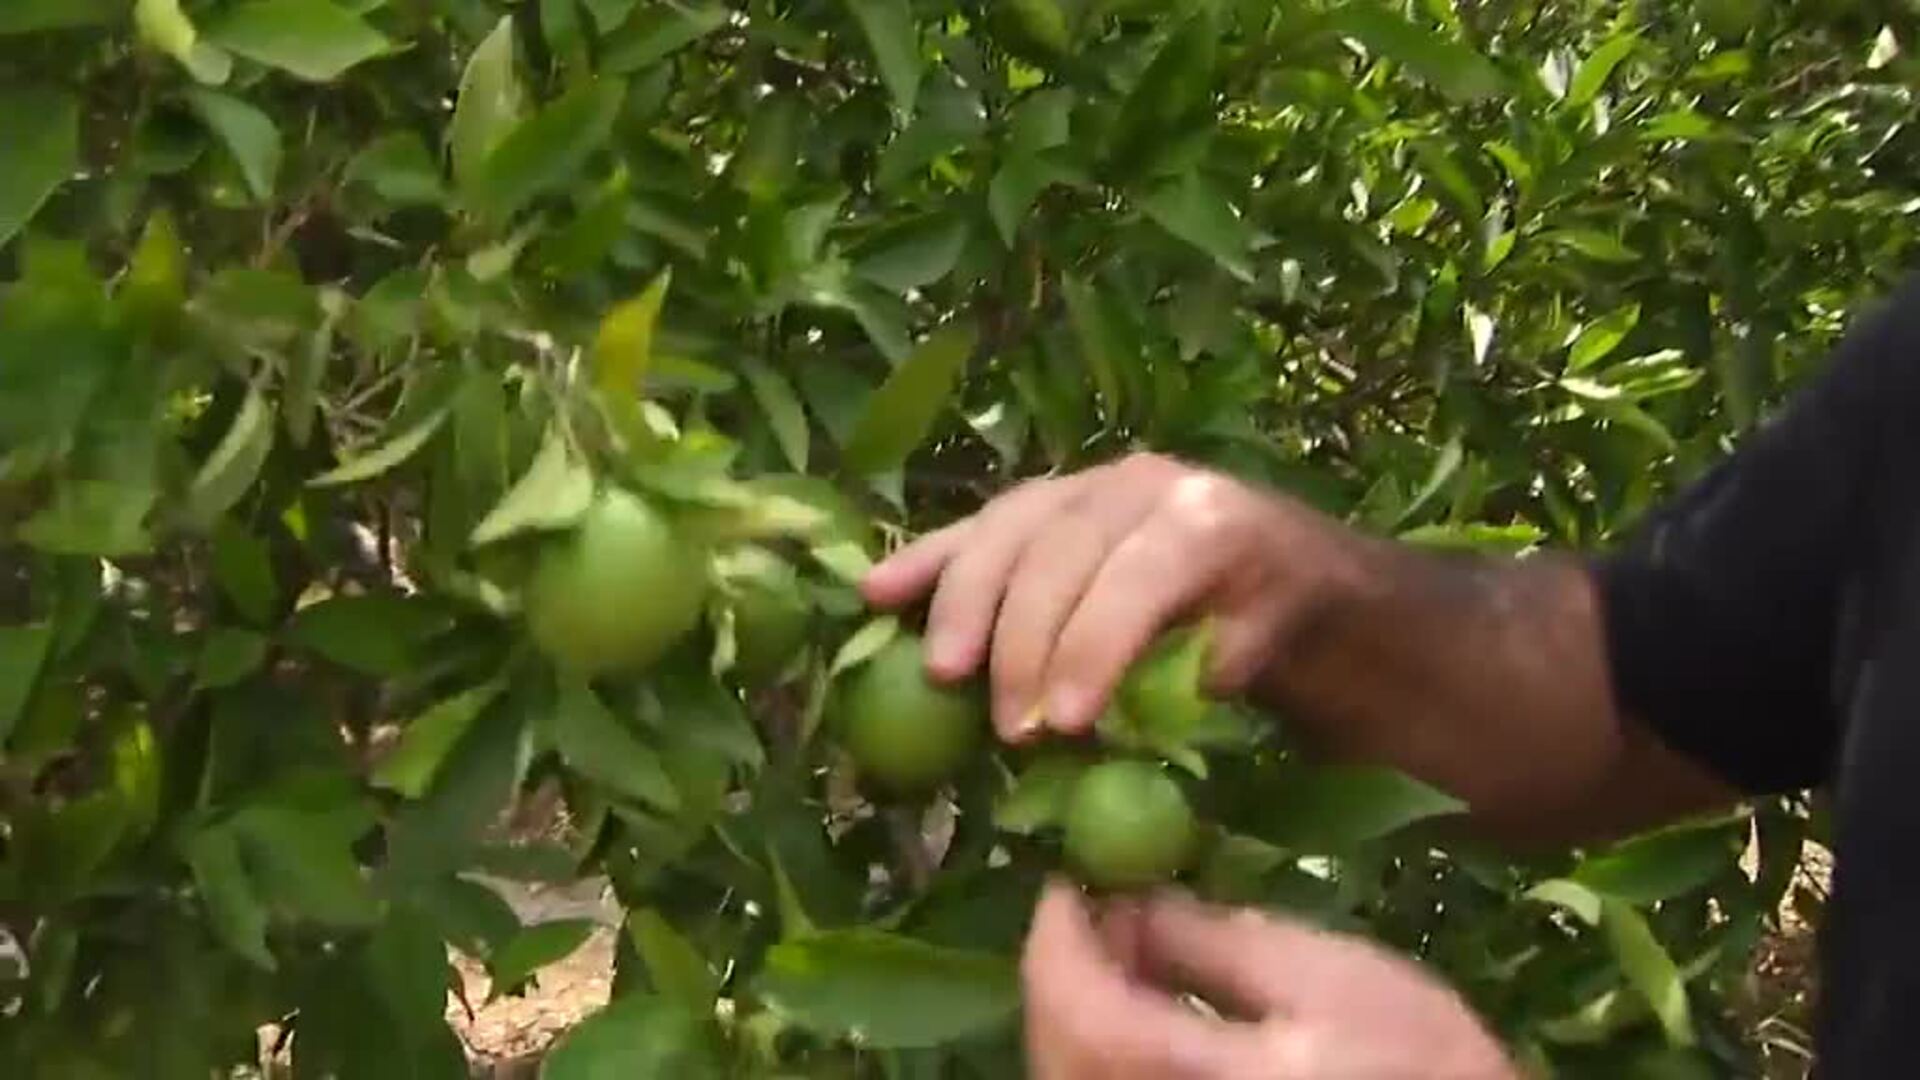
{"x": 1727, "y": 612}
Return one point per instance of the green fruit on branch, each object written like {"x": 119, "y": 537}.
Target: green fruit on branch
{"x": 771, "y": 615}
{"x": 906, "y": 733}
{"x": 616, "y": 593}
{"x": 1128, "y": 826}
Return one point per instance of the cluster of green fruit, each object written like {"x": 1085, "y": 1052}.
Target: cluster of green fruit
{"x": 626, "y": 584}
{"x": 1126, "y": 822}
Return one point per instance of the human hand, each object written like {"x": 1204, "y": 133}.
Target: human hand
{"x": 1062, "y": 583}
{"x": 1293, "y": 1003}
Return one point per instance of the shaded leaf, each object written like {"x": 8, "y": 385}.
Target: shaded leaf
{"x": 533, "y": 948}
{"x": 164, "y": 26}
{"x": 387, "y": 456}
{"x": 304, "y": 864}
{"x": 244, "y": 572}
{"x": 895, "y": 41}
{"x": 915, "y": 257}
{"x": 40, "y": 129}
{"x": 556, "y": 489}
{"x": 781, "y": 405}
{"x": 547, "y": 149}
{"x": 428, "y": 739}
{"x": 1449, "y": 65}
{"x": 229, "y": 655}
{"x": 488, "y": 107}
{"x": 376, "y": 633}
{"x": 889, "y": 992}
{"x": 594, "y": 742}
{"x": 674, "y": 967}
{"x": 22, "y": 651}
{"x": 637, "y": 1037}
{"x": 1191, "y": 209}
{"x": 235, "y": 463}
{"x": 900, "y": 414}
{"x": 656, "y": 32}
{"x": 1340, "y": 808}
{"x": 316, "y": 40}
{"x": 238, "y": 918}
{"x": 248, "y": 134}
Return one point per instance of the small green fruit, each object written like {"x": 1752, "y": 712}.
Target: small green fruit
{"x": 616, "y": 593}
{"x": 771, "y": 614}
{"x": 906, "y": 733}
{"x": 1128, "y": 826}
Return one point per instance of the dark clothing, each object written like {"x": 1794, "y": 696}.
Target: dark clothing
{"x": 1767, "y": 624}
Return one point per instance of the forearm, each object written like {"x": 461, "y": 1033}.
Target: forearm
{"x": 1487, "y": 678}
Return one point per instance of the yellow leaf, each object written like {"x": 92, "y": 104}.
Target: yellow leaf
{"x": 624, "y": 347}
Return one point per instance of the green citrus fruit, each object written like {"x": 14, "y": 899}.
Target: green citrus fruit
{"x": 771, "y": 614}
{"x": 618, "y": 591}
{"x": 1128, "y": 826}
{"x": 906, "y": 733}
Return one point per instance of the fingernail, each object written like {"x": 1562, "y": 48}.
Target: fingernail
{"x": 1032, "y": 723}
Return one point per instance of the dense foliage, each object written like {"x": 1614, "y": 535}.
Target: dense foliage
{"x": 350, "y": 348}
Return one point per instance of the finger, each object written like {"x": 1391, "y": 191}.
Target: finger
{"x": 908, "y": 574}
{"x": 1239, "y": 960}
{"x": 973, "y": 581}
{"x": 1152, "y": 576}
{"x": 1043, "y": 589}
{"x": 1086, "y": 1019}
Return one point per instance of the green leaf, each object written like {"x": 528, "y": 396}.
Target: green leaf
{"x": 1599, "y": 339}
{"x": 900, "y": 414}
{"x": 1039, "y": 797}
{"x": 1661, "y": 865}
{"x": 547, "y": 150}
{"x": 1013, "y": 191}
{"x": 637, "y": 1037}
{"x": 1571, "y": 896}
{"x": 656, "y": 32}
{"x": 1339, "y": 808}
{"x": 236, "y": 914}
{"x": 781, "y": 405}
{"x": 427, "y": 740}
{"x": 93, "y": 517}
{"x": 593, "y": 742}
{"x": 533, "y": 948}
{"x": 623, "y": 348}
{"x": 889, "y": 992}
{"x": 675, "y": 968}
{"x": 304, "y": 865}
{"x": 22, "y": 651}
{"x": 34, "y": 16}
{"x": 387, "y": 456}
{"x": 915, "y": 257}
{"x": 165, "y": 27}
{"x": 41, "y": 130}
{"x": 556, "y": 489}
{"x": 1191, "y": 209}
{"x": 895, "y": 41}
{"x": 1161, "y": 705}
{"x": 229, "y": 655}
{"x": 1101, "y": 347}
{"x": 227, "y": 474}
{"x": 869, "y": 639}
{"x": 1649, "y": 969}
{"x": 243, "y": 570}
{"x": 247, "y": 133}
{"x": 488, "y": 108}
{"x": 1598, "y": 68}
{"x": 400, "y": 170}
{"x": 376, "y": 633}
{"x": 1450, "y": 66}
{"x": 315, "y": 40}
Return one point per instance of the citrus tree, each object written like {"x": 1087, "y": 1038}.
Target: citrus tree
{"x": 406, "y": 406}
